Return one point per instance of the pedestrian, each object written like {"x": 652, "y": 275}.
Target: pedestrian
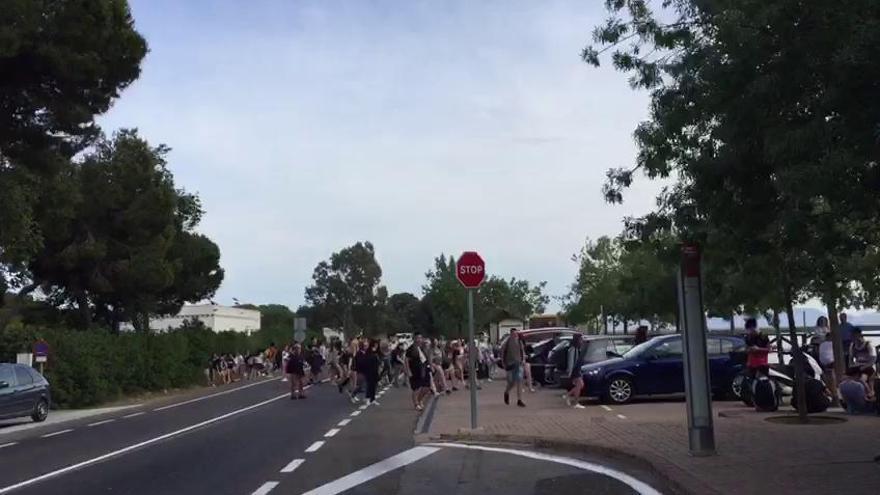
{"x": 488, "y": 356}
{"x": 846, "y": 335}
{"x": 296, "y": 371}
{"x": 285, "y": 356}
{"x": 512, "y": 358}
{"x": 527, "y": 366}
{"x": 863, "y": 357}
{"x": 855, "y": 393}
{"x": 415, "y": 366}
{"x": 385, "y": 357}
{"x": 820, "y": 331}
{"x": 574, "y": 372}
{"x": 397, "y": 356}
{"x": 641, "y": 335}
{"x": 372, "y": 361}
{"x": 358, "y": 369}
{"x": 333, "y": 353}
{"x": 757, "y": 349}
{"x": 826, "y": 360}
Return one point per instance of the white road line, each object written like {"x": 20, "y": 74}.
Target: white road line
{"x": 54, "y": 434}
{"x": 344, "y": 422}
{"x": 123, "y": 450}
{"x": 374, "y": 471}
{"x": 101, "y": 422}
{"x": 315, "y": 446}
{"x": 606, "y": 407}
{"x": 638, "y": 485}
{"x": 621, "y": 416}
{"x": 355, "y": 413}
{"x": 236, "y": 389}
{"x": 10, "y": 444}
{"x": 265, "y": 488}
{"x": 331, "y": 433}
{"x": 133, "y": 415}
{"x": 363, "y": 407}
{"x": 292, "y": 466}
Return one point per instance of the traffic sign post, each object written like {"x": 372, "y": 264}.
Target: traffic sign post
{"x": 41, "y": 353}
{"x": 470, "y": 271}
{"x": 701, "y": 429}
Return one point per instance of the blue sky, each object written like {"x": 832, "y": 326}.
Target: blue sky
{"x": 426, "y": 127}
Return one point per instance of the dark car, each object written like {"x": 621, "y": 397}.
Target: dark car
{"x": 23, "y": 392}
{"x": 655, "y": 368}
{"x": 594, "y": 349}
{"x": 538, "y": 344}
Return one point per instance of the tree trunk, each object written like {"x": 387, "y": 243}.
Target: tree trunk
{"x": 780, "y": 353}
{"x": 797, "y": 359}
{"x": 625, "y": 326}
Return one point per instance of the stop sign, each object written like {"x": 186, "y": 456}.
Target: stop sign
{"x": 470, "y": 269}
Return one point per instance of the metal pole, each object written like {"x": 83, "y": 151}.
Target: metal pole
{"x": 701, "y": 434}
{"x": 472, "y": 359}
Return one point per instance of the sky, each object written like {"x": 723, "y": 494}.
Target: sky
{"x": 424, "y": 127}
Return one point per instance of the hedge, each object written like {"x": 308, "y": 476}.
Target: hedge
{"x": 89, "y": 367}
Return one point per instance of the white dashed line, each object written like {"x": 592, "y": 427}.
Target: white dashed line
{"x": 265, "y": 488}
{"x": 355, "y": 413}
{"x": 315, "y": 446}
{"x": 606, "y": 408}
{"x": 363, "y": 407}
{"x": 10, "y": 444}
{"x": 621, "y": 416}
{"x": 331, "y": 433}
{"x": 132, "y": 415}
{"x": 101, "y": 422}
{"x": 292, "y": 466}
{"x": 62, "y": 432}
{"x": 344, "y": 422}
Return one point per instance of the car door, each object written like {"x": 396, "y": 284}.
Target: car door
{"x": 8, "y": 406}
{"x": 666, "y": 367}
{"x": 25, "y": 389}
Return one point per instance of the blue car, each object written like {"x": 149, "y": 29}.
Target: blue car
{"x": 655, "y": 368}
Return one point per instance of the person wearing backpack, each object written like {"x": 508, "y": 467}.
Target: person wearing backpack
{"x": 512, "y": 358}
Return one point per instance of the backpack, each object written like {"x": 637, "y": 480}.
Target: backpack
{"x": 765, "y": 394}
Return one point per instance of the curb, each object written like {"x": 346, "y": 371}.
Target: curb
{"x": 425, "y": 418}
{"x": 672, "y": 486}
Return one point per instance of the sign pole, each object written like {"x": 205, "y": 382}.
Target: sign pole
{"x": 472, "y": 359}
{"x": 701, "y": 429}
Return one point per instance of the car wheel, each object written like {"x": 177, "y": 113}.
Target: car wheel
{"x": 619, "y": 390}
{"x": 41, "y": 411}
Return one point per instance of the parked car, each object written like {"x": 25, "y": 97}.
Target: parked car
{"x": 594, "y": 349}
{"x": 538, "y": 344}
{"x": 23, "y": 392}
{"x": 656, "y": 368}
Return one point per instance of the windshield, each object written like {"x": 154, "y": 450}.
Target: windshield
{"x": 639, "y": 349}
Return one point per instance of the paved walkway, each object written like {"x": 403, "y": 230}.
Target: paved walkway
{"x": 754, "y": 456}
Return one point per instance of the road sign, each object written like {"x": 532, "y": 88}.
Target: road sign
{"x": 470, "y": 269}
{"x": 41, "y": 351}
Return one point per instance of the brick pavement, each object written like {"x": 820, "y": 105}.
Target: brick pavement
{"x": 754, "y": 456}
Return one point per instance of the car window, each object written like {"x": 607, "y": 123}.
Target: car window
{"x": 596, "y": 350}
{"x": 38, "y": 378}
{"x": 621, "y": 346}
{"x": 713, "y": 347}
{"x": 6, "y": 375}
{"x": 22, "y": 376}
{"x": 727, "y": 346}
{"x": 668, "y": 349}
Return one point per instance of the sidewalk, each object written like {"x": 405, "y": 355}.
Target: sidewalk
{"x": 754, "y": 456}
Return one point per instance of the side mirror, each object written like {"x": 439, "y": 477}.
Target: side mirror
{"x": 4, "y": 385}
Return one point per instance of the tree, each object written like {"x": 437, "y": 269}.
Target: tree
{"x": 118, "y": 241}
{"x": 346, "y": 287}
{"x": 764, "y": 113}
{"x": 61, "y": 64}
{"x": 595, "y": 290}
{"x": 402, "y": 314}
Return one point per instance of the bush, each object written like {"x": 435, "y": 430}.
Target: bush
{"x": 94, "y": 366}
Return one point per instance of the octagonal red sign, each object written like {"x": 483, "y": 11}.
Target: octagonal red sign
{"x": 470, "y": 269}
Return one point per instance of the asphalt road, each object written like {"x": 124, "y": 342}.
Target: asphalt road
{"x": 254, "y": 440}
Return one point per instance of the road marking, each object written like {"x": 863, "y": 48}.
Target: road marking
{"x": 344, "y": 422}
{"x": 54, "y": 434}
{"x": 355, "y": 413}
{"x": 621, "y": 416}
{"x": 292, "y": 466}
{"x": 606, "y": 408}
{"x": 638, "y": 485}
{"x": 363, "y": 407}
{"x": 315, "y": 446}
{"x": 331, "y": 433}
{"x": 123, "y": 450}
{"x": 133, "y": 415}
{"x": 374, "y": 471}
{"x": 265, "y": 488}
{"x": 10, "y": 444}
{"x": 101, "y": 422}
{"x": 236, "y": 389}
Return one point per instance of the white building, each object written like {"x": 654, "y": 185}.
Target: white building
{"x": 217, "y": 318}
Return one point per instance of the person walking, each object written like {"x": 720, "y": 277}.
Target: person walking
{"x": 360, "y": 362}
{"x": 863, "y": 357}
{"x": 371, "y": 362}
{"x": 416, "y": 369}
{"x": 757, "y": 349}
{"x": 641, "y": 335}
{"x": 846, "y": 330}
{"x": 296, "y": 372}
{"x": 512, "y": 358}
{"x": 574, "y": 372}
